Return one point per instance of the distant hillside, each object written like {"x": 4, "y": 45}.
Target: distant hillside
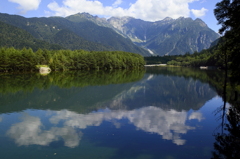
{"x": 73, "y": 42}
{"x": 18, "y": 38}
{"x": 73, "y": 35}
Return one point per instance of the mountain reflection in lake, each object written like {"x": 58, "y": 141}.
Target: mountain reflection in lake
{"x": 123, "y": 114}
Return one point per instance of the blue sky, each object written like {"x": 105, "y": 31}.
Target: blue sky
{"x": 149, "y": 10}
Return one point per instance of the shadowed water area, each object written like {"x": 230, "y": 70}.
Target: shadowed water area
{"x": 157, "y": 113}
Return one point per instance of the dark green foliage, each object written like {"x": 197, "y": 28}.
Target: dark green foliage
{"x": 26, "y": 60}
{"x": 73, "y": 42}
{"x": 159, "y": 59}
{"x": 204, "y": 58}
{"x": 227, "y": 13}
{"x": 18, "y": 38}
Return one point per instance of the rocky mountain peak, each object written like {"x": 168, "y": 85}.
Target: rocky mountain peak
{"x": 168, "y": 36}
{"x": 85, "y": 14}
{"x": 200, "y": 22}
{"x": 121, "y": 20}
{"x": 167, "y": 19}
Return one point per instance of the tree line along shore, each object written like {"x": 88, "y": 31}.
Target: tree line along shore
{"x": 12, "y": 59}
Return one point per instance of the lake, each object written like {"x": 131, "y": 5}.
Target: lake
{"x": 158, "y": 113}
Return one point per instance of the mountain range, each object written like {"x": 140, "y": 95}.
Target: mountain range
{"x": 84, "y": 31}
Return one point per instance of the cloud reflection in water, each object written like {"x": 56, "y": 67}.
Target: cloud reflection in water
{"x": 29, "y": 132}
{"x": 169, "y": 124}
{"x": 196, "y": 115}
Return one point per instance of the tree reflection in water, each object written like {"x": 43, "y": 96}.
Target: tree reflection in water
{"x": 227, "y": 145}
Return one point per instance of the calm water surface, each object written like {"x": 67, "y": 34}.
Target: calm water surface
{"x": 157, "y": 114}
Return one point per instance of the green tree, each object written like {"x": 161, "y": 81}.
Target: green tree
{"x": 227, "y": 13}
{"x": 4, "y": 60}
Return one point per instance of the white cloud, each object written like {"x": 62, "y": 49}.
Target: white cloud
{"x": 70, "y": 7}
{"x": 158, "y": 9}
{"x": 203, "y": 1}
{"x": 199, "y": 13}
{"x": 117, "y": 3}
{"x": 151, "y": 10}
{"x": 27, "y": 5}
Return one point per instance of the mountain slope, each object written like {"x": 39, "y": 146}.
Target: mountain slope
{"x": 84, "y": 31}
{"x": 135, "y": 29}
{"x": 83, "y": 17}
{"x": 84, "y": 34}
{"x": 105, "y": 36}
{"x": 74, "y": 41}
{"x": 168, "y": 36}
{"x": 18, "y": 38}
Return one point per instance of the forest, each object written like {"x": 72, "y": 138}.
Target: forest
{"x": 209, "y": 57}
{"x": 26, "y": 59}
